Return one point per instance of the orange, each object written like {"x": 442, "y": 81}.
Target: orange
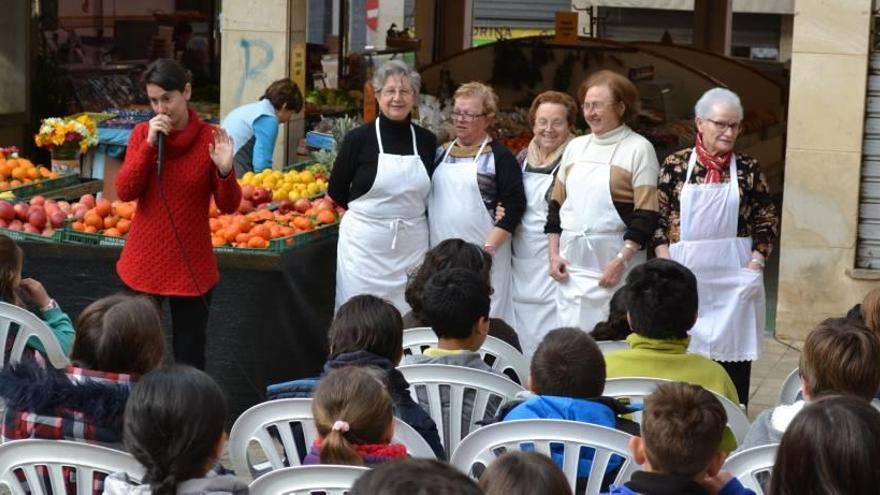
{"x": 19, "y": 172}
{"x": 257, "y": 242}
{"x": 261, "y": 230}
{"x": 125, "y": 210}
{"x": 123, "y": 226}
{"x": 230, "y": 232}
{"x": 112, "y": 233}
{"x": 92, "y": 219}
{"x": 78, "y": 226}
{"x": 103, "y": 207}
{"x": 15, "y": 183}
{"x": 214, "y": 224}
{"x": 243, "y": 238}
{"x": 33, "y": 173}
{"x": 218, "y": 241}
{"x": 302, "y": 222}
{"x": 325, "y": 216}
{"x": 91, "y": 230}
{"x": 110, "y": 222}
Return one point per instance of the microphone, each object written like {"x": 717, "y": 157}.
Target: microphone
{"x": 160, "y": 160}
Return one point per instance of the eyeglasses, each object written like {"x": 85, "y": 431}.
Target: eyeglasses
{"x": 723, "y": 126}
{"x": 597, "y": 105}
{"x": 550, "y": 124}
{"x": 466, "y": 117}
{"x": 392, "y": 92}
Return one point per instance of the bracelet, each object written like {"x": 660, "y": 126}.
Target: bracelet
{"x": 52, "y": 305}
{"x": 759, "y": 261}
{"x": 622, "y": 258}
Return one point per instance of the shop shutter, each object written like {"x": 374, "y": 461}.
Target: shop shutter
{"x": 520, "y": 14}
{"x": 868, "y": 255}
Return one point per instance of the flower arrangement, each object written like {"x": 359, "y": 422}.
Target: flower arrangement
{"x": 67, "y": 132}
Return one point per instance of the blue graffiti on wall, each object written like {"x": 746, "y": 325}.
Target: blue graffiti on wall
{"x": 253, "y": 67}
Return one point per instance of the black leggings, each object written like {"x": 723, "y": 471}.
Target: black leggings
{"x": 189, "y": 322}
{"x": 740, "y": 373}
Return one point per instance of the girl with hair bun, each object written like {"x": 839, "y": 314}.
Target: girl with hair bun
{"x": 352, "y": 410}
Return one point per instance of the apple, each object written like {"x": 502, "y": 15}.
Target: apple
{"x": 7, "y": 213}
{"x": 15, "y": 224}
{"x": 245, "y": 207}
{"x": 79, "y": 212}
{"x": 38, "y": 200}
{"x": 3, "y": 224}
{"x": 247, "y": 192}
{"x": 323, "y": 204}
{"x": 262, "y": 195}
{"x": 64, "y": 206}
{"x": 302, "y": 205}
{"x": 30, "y": 229}
{"x": 57, "y": 219}
{"x": 88, "y": 200}
{"x": 37, "y": 218}
{"x": 21, "y": 211}
{"x": 51, "y": 207}
{"x": 285, "y": 206}
{"x": 48, "y": 231}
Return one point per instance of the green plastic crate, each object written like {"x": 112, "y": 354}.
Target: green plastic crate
{"x": 75, "y": 237}
{"x": 277, "y": 246}
{"x": 27, "y": 190}
{"x": 17, "y": 235}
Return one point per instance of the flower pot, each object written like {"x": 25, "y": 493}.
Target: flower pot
{"x": 65, "y": 159}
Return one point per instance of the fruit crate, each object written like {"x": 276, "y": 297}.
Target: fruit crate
{"x": 281, "y": 244}
{"x": 18, "y": 235}
{"x": 43, "y": 186}
{"x": 76, "y": 237}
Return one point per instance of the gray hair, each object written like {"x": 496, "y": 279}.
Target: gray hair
{"x": 717, "y": 96}
{"x": 397, "y": 68}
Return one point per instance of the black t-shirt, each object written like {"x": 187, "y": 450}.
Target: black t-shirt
{"x": 355, "y": 169}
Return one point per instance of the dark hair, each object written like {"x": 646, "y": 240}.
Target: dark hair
{"x": 526, "y": 473}
{"x": 10, "y": 270}
{"x": 841, "y": 356}
{"x": 661, "y": 299}
{"x": 121, "y": 333}
{"x": 568, "y": 363}
{"x": 616, "y": 327}
{"x": 451, "y": 253}
{"x": 168, "y": 74}
{"x": 173, "y": 420}
{"x": 623, "y": 89}
{"x": 367, "y": 323}
{"x": 831, "y": 447}
{"x": 285, "y": 94}
{"x": 454, "y": 300}
{"x": 358, "y": 396}
{"x": 682, "y": 426}
{"x": 414, "y": 477}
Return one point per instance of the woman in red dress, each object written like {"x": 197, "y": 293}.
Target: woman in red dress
{"x": 168, "y": 253}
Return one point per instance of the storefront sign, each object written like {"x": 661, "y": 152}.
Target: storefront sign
{"x": 566, "y": 28}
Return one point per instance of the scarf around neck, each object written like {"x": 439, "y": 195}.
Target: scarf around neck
{"x": 715, "y": 164}
{"x": 533, "y": 158}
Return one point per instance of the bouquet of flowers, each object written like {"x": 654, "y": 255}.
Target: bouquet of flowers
{"x": 58, "y": 132}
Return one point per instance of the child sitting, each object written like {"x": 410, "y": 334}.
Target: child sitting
{"x": 368, "y": 331}
{"x": 456, "y": 304}
{"x": 831, "y": 447}
{"x": 679, "y": 449}
{"x": 616, "y": 327}
{"x": 568, "y": 377}
{"x": 30, "y": 293}
{"x": 414, "y": 477}
{"x": 524, "y": 473}
{"x": 119, "y": 340}
{"x": 352, "y": 410}
{"x": 174, "y": 426}
{"x": 840, "y": 356}
{"x": 661, "y": 297}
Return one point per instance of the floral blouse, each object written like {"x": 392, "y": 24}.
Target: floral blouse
{"x": 757, "y": 213}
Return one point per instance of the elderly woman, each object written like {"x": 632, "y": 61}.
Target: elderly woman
{"x": 716, "y": 218}
{"x": 552, "y": 115}
{"x": 382, "y": 176}
{"x": 472, "y": 176}
{"x": 603, "y": 208}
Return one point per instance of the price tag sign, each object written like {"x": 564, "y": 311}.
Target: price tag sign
{"x": 566, "y": 28}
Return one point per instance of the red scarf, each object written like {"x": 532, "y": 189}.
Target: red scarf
{"x": 715, "y": 164}
{"x": 389, "y": 450}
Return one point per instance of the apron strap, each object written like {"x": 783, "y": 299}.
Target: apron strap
{"x": 734, "y": 179}
{"x": 412, "y": 131}
{"x": 379, "y": 137}
{"x": 454, "y": 141}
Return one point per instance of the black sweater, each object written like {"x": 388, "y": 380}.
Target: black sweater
{"x": 355, "y": 169}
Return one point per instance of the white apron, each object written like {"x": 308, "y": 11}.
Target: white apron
{"x": 731, "y": 314}
{"x": 592, "y": 235}
{"x": 384, "y": 233}
{"x": 456, "y": 210}
{"x": 534, "y": 291}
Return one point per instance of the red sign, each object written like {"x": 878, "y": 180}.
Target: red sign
{"x": 372, "y": 14}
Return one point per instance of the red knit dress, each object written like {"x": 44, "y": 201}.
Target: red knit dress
{"x": 151, "y": 260}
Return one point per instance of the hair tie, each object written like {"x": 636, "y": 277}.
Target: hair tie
{"x": 340, "y": 426}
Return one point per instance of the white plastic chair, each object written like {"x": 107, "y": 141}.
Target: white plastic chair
{"x": 505, "y": 358}
{"x": 29, "y": 325}
{"x": 274, "y": 421}
{"x": 607, "y": 346}
{"x": 53, "y": 455}
{"x": 636, "y": 388}
{"x": 791, "y": 387}
{"x": 481, "y": 447}
{"x": 749, "y": 464}
{"x": 434, "y": 381}
{"x": 325, "y": 479}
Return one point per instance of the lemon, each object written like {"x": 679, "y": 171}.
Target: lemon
{"x": 248, "y": 175}
{"x": 278, "y": 195}
{"x": 306, "y": 176}
{"x": 293, "y": 196}
{"x": 313, "y": 188}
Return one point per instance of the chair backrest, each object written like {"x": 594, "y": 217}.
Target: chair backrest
{"x": 49, "y": 462}
{"x": 457, "y": 397}
{"x": 501, "y": 356}
{"x": 607, "y": 346}
{"x": 753, "y": 465}
{"x": 29, "y": 325}
{"x": 289, "y": 422}
{"x": 324, "y": 479}
{"x": 636, "y": 388}
{"x": 481, "y": 447}
{"x": 791, "y": 387}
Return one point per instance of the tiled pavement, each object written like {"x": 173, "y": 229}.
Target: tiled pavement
{"x": 777, "y": 360}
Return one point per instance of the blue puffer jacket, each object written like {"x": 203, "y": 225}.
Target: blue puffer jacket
{"x": 404, "y": 407}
